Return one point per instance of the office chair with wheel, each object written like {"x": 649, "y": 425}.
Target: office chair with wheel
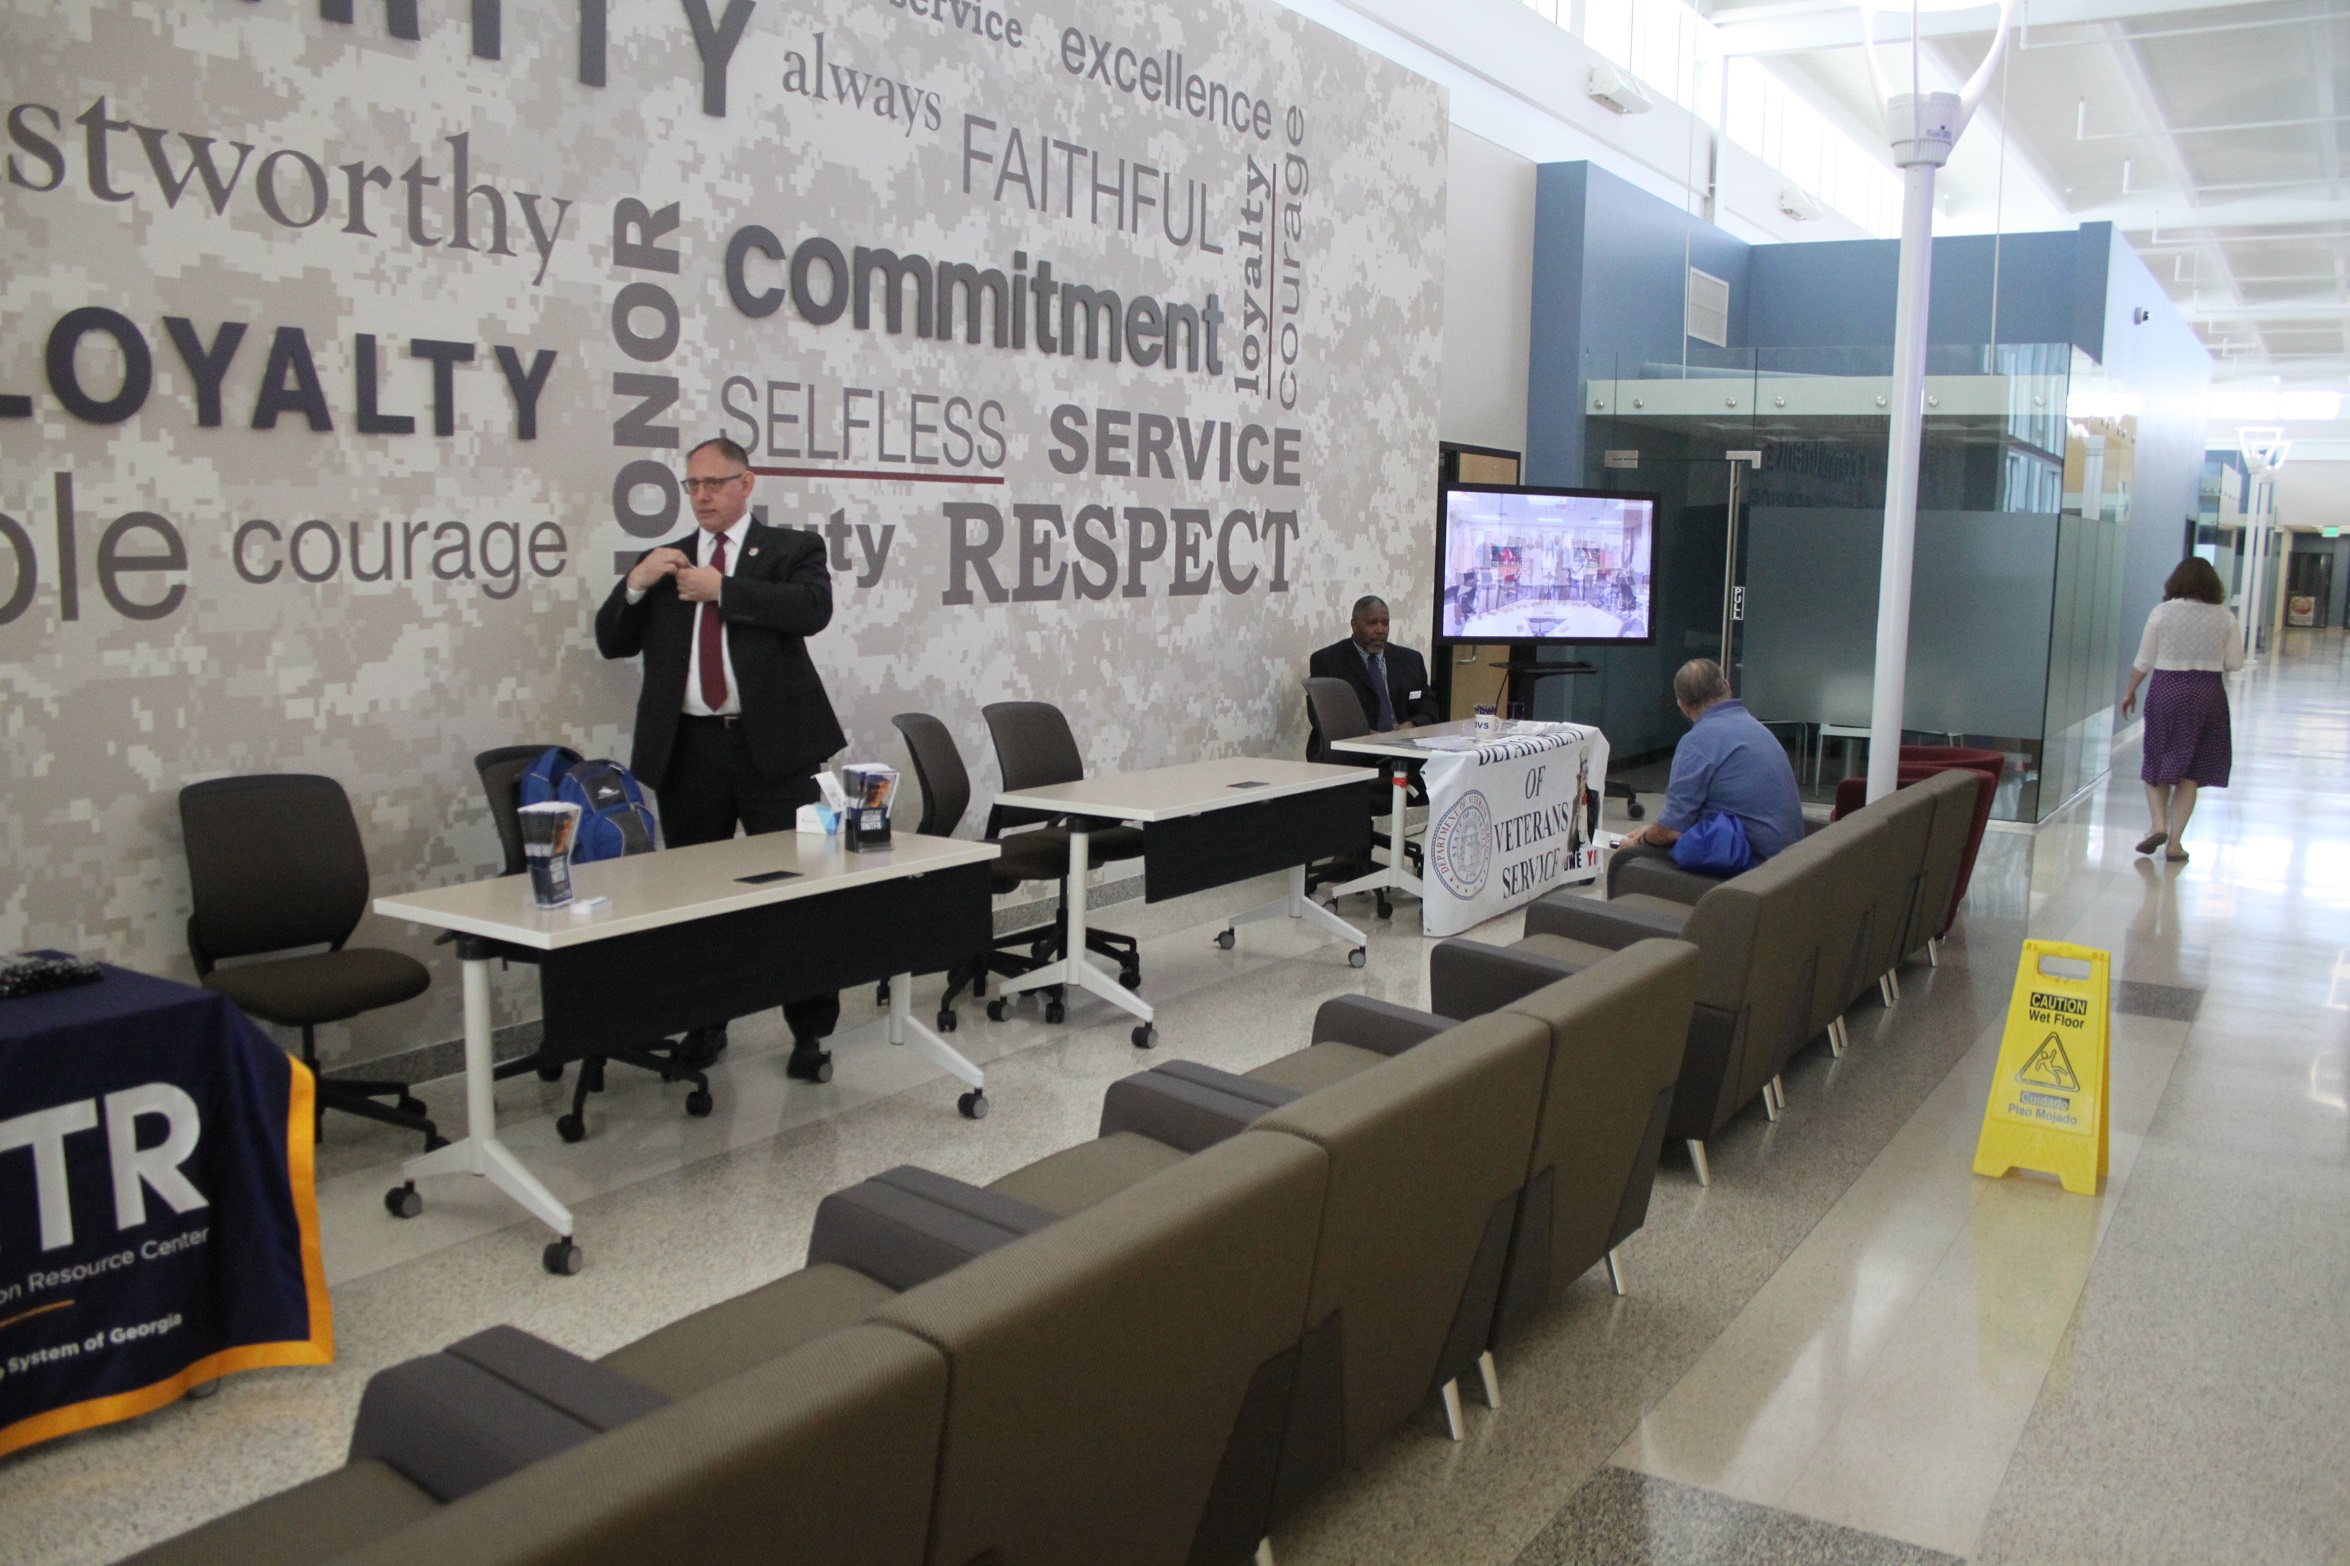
{"x": 1034, "y": 748}
{"x": 275, "y": 863}
{"x": 501, "y": 773}
{"x": 1334, "y": 712}
{"x": 1038, "y": 855}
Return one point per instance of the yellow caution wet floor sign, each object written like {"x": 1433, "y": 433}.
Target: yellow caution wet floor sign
{"x": 2047, "y": 1109}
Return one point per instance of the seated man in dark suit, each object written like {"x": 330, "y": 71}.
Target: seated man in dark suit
{"x": 1391, "y": 682}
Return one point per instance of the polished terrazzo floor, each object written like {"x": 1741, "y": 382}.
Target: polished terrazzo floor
{"x": 1847, "y": 1349}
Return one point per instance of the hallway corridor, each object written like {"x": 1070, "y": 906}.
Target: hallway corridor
{"x": 1852, "y": 1349}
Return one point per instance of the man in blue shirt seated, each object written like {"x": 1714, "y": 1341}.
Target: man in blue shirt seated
{"x": 1726, "y": 762}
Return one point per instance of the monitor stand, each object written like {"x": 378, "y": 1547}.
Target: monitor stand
{"x": 1524, "y": 671}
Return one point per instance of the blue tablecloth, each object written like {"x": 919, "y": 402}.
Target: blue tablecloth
{"x": 157, "y": 1222}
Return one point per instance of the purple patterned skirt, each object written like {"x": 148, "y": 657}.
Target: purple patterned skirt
{"x": 2187, "y": 736}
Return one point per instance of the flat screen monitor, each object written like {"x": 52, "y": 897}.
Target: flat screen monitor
{"x": 1520, "y": 564}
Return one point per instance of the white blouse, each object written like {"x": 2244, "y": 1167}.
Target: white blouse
{"x": 2184, "y": 633}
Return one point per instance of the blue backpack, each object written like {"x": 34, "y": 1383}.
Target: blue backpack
{"x": 614, "y": 819}
{"x": 1715, "y": 844}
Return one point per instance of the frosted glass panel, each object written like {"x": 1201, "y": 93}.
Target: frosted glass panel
{"x": 1979, "y": 618}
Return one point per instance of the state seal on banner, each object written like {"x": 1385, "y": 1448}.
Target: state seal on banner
{"x": 1460, "y": 845}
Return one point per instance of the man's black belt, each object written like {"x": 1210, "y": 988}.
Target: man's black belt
{"x": 729, "y": 720}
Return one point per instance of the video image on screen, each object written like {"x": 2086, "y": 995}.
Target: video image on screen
{"x": 1532, "y": 567}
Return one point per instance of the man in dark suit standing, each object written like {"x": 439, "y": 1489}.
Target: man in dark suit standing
{"x": 732, "y": 722}
{"x": 1391, "y": 682}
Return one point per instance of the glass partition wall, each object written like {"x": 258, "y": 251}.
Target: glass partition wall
{"x": 2023, "y": 509}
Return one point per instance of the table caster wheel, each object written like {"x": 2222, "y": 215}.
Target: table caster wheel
{"x": 1131, "y": 978}
{"x": 1054, "y": 1011}
{"x": 401, "y": 1201}
{"x": 946, "y": 1022}
{"x": 1145, "y": 1036}
{"x": 1224, "y": 939}
{"x": 563, "y": 1258}
{"x": 973, "y": 1105}
{"x": 881, "y": 994}
{"x": 697, "y": 1103}
{"x": 552, "y": 1071}
{"x": 1357, "y": 957}
{"x": 1386, "y": 908}
{"x": 998, "y": 1010}
{"x": 570, "y": 1127}
{"x": 1635, "y": 809}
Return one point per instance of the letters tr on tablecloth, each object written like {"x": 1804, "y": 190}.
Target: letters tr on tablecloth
{"x": 157, "y": 1221}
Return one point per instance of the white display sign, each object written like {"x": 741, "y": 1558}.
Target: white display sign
{"x": 1507, "y": 822}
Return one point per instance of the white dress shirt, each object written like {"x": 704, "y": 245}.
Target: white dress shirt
{"x": 695, "y": 707}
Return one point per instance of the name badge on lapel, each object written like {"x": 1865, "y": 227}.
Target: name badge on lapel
{"x": 1413, "y": 695}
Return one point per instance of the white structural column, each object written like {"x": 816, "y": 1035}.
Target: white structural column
{"x": 1890, "y": 695}
{"x": 1923, "y": 127}
{"x": 2264, "y": 452}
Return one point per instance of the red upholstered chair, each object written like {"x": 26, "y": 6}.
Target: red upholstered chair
{"x": 1919, "y": 762}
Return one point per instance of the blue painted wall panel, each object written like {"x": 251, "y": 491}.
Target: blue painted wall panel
{"x": 1609, "y": 280}
{"x": 1843, "y": 291}
{"x": 2161, "y": 359}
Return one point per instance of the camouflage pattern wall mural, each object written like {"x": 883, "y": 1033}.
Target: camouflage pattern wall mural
{"x": 349, "y": 348}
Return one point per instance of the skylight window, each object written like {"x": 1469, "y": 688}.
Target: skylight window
{"x": 1675, "y": 53}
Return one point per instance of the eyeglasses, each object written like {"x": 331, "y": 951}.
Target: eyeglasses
{"x": 710, "y": 486}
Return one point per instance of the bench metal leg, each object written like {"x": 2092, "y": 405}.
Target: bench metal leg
{"x": 1705, "y": 1175}
{"x": 1452, "y": 1410}
{"x": 1615, "y": 1265}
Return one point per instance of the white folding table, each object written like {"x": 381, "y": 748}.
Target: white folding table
{"x": 1205, "y": 824}
{"x": 691, "y": 937}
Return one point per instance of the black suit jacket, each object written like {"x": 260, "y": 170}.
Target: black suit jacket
{"x": 1407, "y": 680}
{"x": 778, "y": 595}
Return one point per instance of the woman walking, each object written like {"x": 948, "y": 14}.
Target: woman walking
{"x": 2190, "y": 644}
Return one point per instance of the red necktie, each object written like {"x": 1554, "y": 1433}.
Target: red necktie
{"x": 710, "y": 632}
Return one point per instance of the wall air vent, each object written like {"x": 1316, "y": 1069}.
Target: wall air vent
{"x": 1611, "y": 89}
{"x": 1708, "y": 315}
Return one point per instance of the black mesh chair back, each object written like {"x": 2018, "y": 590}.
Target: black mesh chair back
{"x": 1333, "y": 712}
{"x": 938, "y": 767}
{"x": 1033, "y": 749}
{"x": 501, "y": 773}
{"x": 274, "y": 861}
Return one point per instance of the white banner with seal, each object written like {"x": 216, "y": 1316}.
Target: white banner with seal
{"x": 1508, "y": 821}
